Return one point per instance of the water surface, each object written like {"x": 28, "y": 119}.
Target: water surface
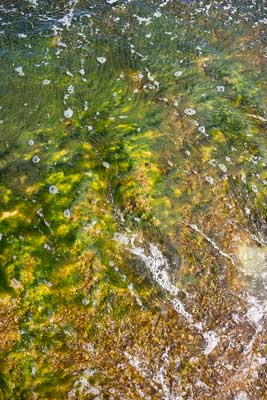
{"x": 133, "y": 200}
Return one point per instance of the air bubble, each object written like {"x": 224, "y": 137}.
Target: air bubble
{"x": 19, "y": 70}
{"x": 222, "y": 167}
{"x": 190, "y": 111}
{"x": 68, "y": 113}
{"x": 53, "y": 189}
{"x": 66, "y": 213}
{"x": 35, "y": 159}
{"x": 220, "y": 89}
{"x": 178, "y": 73}
{"x": 202, "y": 129}
{"x": 101, "y": 60}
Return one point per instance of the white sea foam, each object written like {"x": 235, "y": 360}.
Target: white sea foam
{"x": 241, "y": 396}
{"x": 158, "y": 266}
{"x": 212, "y": 340}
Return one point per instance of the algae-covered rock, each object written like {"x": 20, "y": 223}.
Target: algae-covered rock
{"x": 133, "y": 200}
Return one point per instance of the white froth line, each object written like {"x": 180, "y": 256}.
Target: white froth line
{"x": 257, "y": 117}
{"x": 156, "y": 264}
{"x": 134, "y": 294}
{"x": 137, "y": 365}
{"x": 157, "y": 379}
{"x": 212, "y": 340}
{"x": 210, "y": 241}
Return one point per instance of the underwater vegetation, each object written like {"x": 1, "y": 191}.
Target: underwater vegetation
{"x": 133, "y": 200}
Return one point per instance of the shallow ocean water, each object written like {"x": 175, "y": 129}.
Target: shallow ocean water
{"x": 133, "y": 231}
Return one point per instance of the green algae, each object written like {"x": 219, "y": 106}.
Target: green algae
{"x": 140, "y": 170}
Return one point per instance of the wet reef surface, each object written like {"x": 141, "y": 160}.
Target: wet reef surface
{"x": 133, "y": 200}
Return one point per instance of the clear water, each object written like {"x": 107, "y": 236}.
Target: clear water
{"x": 133, "y": 200}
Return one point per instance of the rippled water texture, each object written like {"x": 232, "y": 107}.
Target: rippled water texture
{"x": 133, "y": 200}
